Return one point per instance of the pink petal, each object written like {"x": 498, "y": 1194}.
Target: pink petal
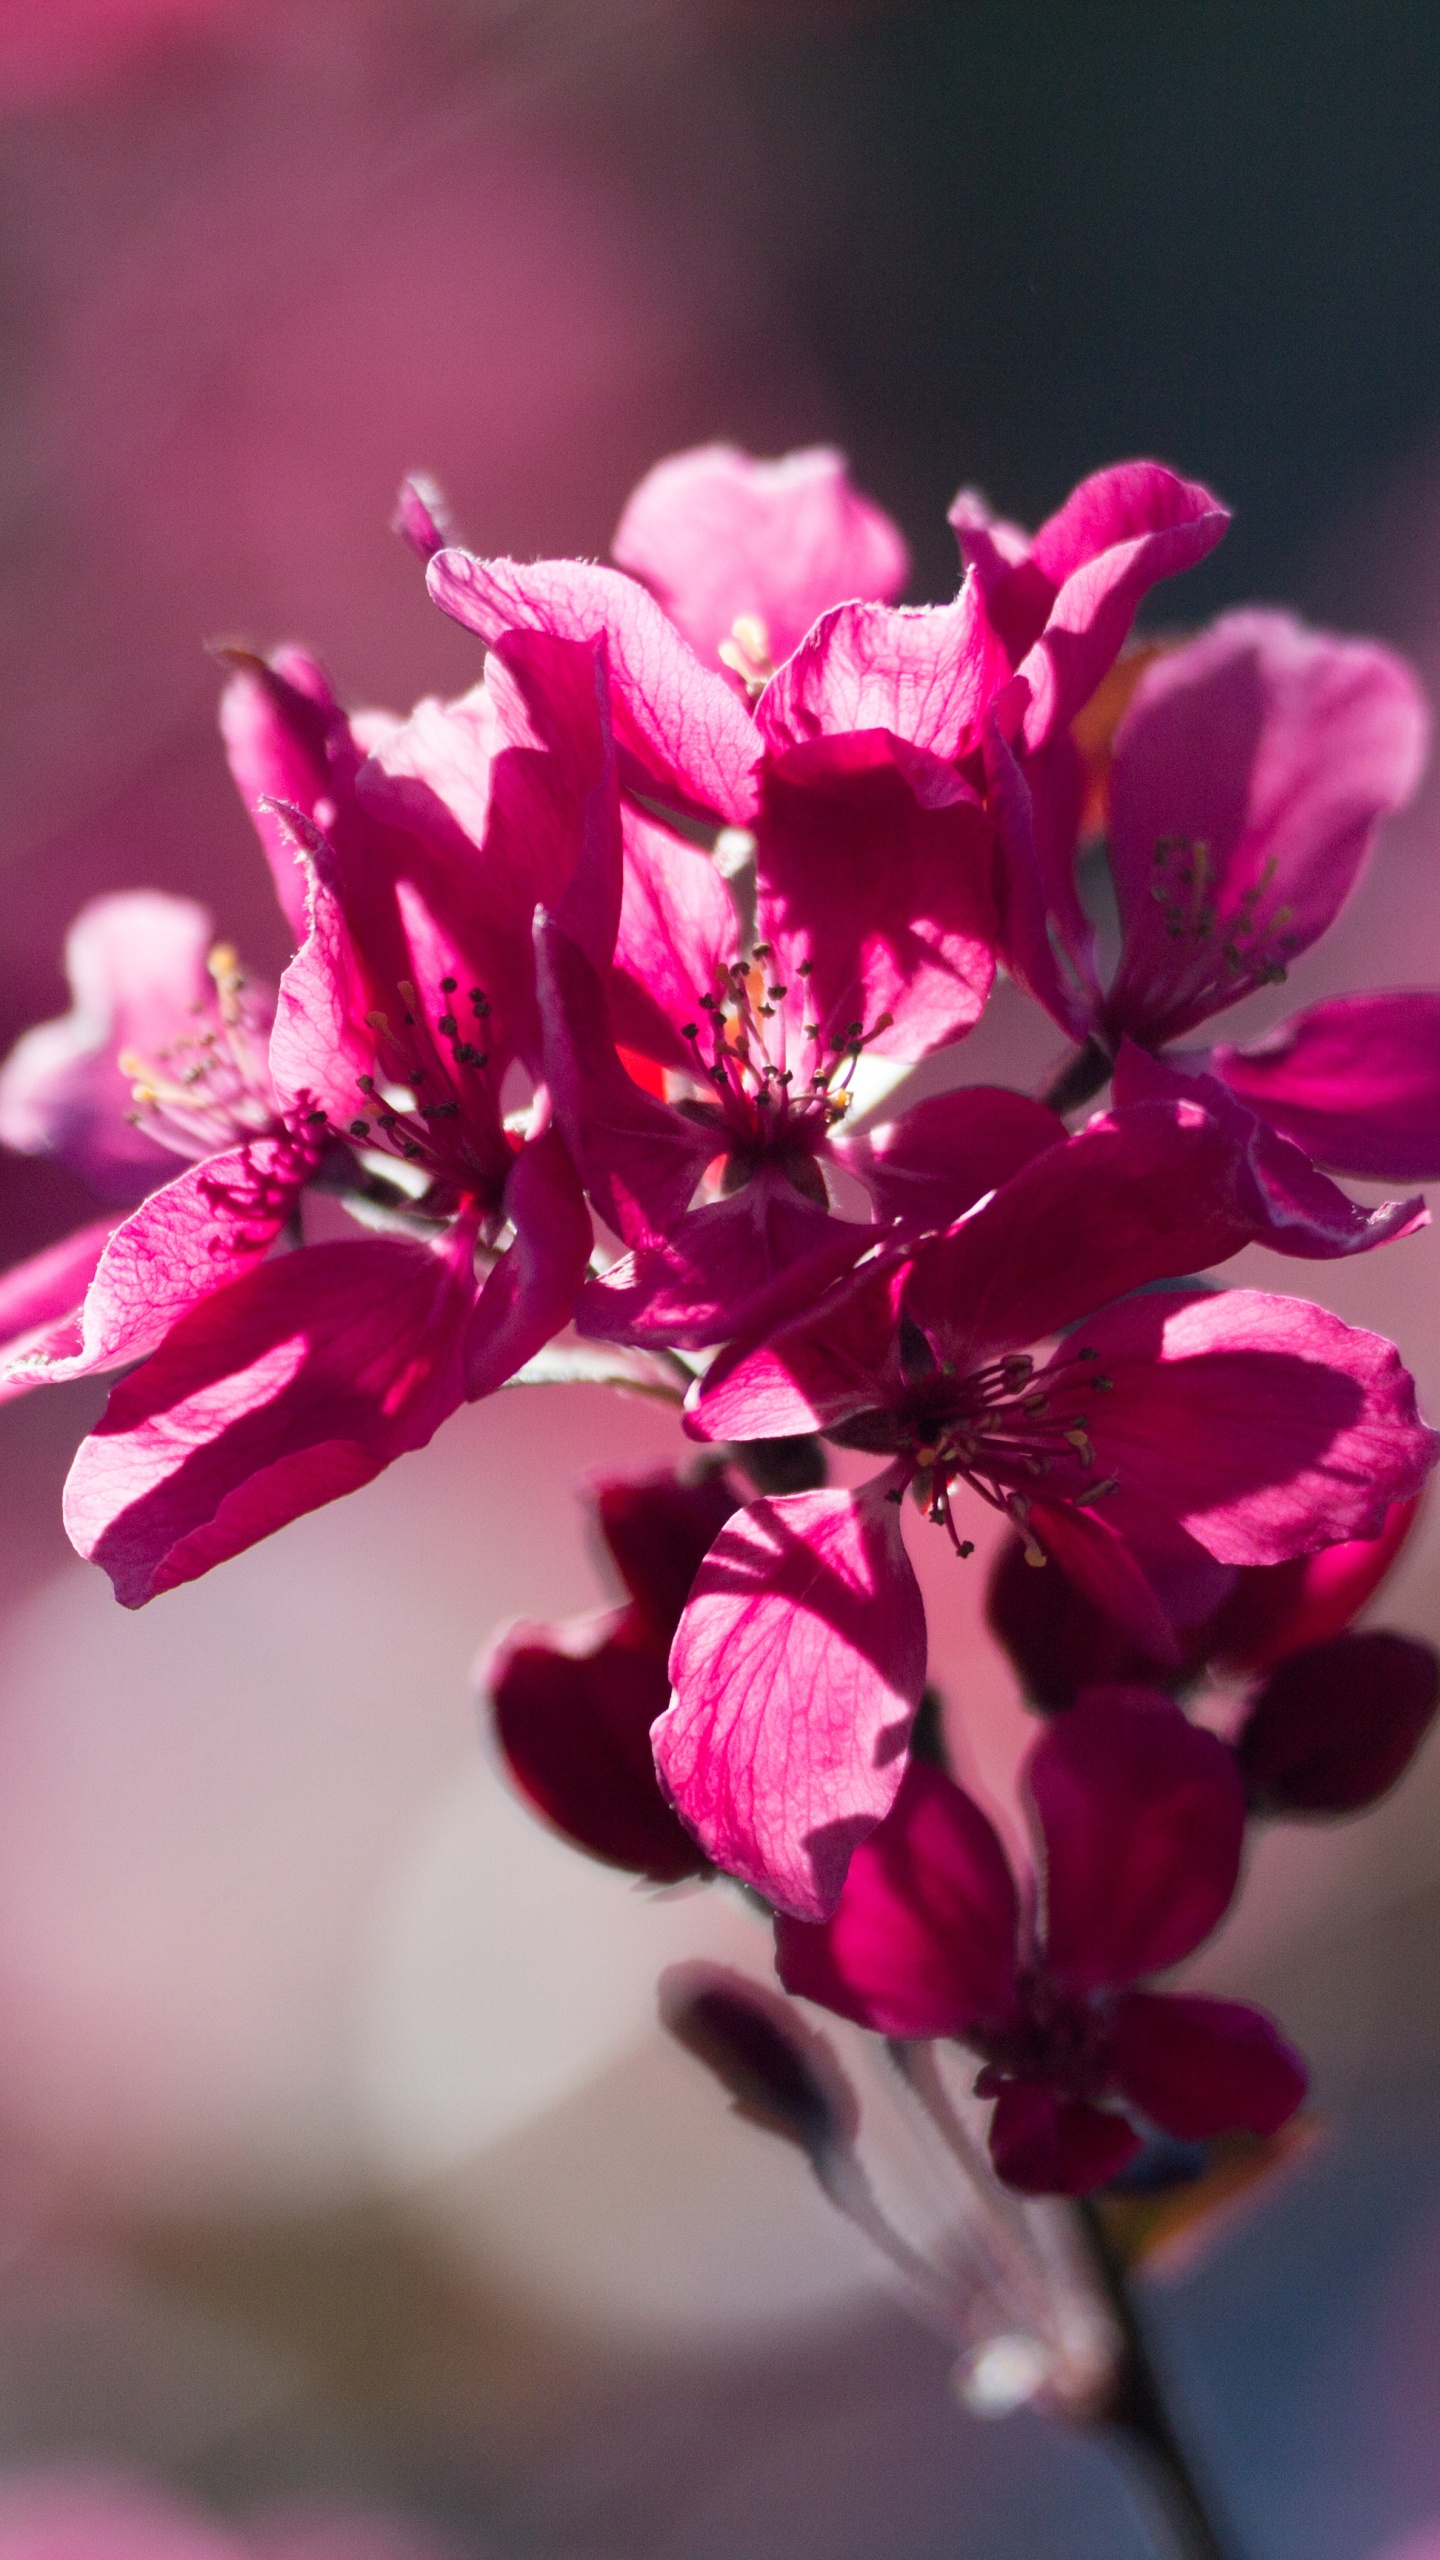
{"x": 1046, "y": 942}
{"x": 421, "y": 516}
{"x": 730, "y": 1267}
{"x": 922, "y": 1940}
{"x": 689, "y": 741}
{"x": 931, "y": 1164}
{"x": 1202, "y": 2067}
{"x": 284, "y": 734}
{"x": 1265, "y": 1426}
{"x": 212, "y": 1224}
{"x": 1278, "y": 1608}
{"x": 926, "y": 673}
{"x": 136, "y": 967}
{"x": 1277, "y": 750}
{"x": 640, "y": 1159}
{"x": 1293, "y": 1208}
{"x": 1142, "y": 1821}
{"x": 1051, "y": 2146}
{"x": 1116, "y": 535}
{"x": 1144, "y": 1194}
{"x": 677, "y": 932}
{"x": 658, "y": 1529}
{"x": 797, "y": 1668}
{"x": 40, "y": 1306}
{"x": 811, "y": 1376}
{"x": 293, "y": 1385}
{"x": 532, "y": 1289}
{"x": 1336, "y": 1725}
{"x": 574, "y": 1728}
{"x": 1355, "y": 1082}
{"x": 875, "y": 895}
{"x": 715, "y": 535}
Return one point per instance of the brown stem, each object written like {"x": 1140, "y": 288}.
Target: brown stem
{"x": 1079, "y": 1079}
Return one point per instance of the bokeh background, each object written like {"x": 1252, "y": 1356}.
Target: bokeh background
{"x": 340, "y": 2158}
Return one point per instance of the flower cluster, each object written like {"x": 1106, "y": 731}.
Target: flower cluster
{"x": 603, "y": 974}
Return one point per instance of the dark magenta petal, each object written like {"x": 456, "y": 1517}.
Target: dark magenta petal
{"x": 532, "y": 1289}
{"x": 575, "y": 1732}
{"x": 1034, "y": 806}
{"x": 716, "y": 535}
{"x": 797, "y": 1668}
{"x": 931, "y": 1164}
{"x": 288, "y": 741}
{"x": 1142, "y": 1820}
{"x": 1292, "y": 1207}
{"x": 658, "y": 1529}
{"x": 1093, "y": 1568}
{"x": 1354, "y": 1081}
{"x": 1051, "y": 2146}
{"x": 922, "y": 1940}
{"x": 725, "y": 1269}
{"x": 810, "y": 1376}
{"x": 275, "y": 1394}
{"x": 875, "y": 896}
{"x": 689, "y": 740}
{"x": 1146, "y": 1193}
{"x": 639, "y": 1158}
{"x": 1059, "y": 1640}
{"x": 1335, "y": 1726}
{"x": 1265, "y": 1426}
{"x": 1275, "y": 1609}
{"x": 1199, "y": 2067}
{"x": 1250, "y": 773}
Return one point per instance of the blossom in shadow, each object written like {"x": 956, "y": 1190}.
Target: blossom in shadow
{"x": 1138, "y": 1820}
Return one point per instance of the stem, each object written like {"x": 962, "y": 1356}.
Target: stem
{"x": 1136, "y": 2411}
{"x": 1079, "y": 1079}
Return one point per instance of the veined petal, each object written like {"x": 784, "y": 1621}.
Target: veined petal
{"x": 677, "y": 934}
{"x": 289, "y": 1387}
{"x": 716, "y": 535}
{"x": 216, "y": 1221}
{"x": 927, "y": 673}
{"x": 875, "y": 895}
{"x": 811, "y": 1376}
{"x": 640, "y": 1159}
{"x": 136, "y": 967}
{"x": 1249, "y": 776}
{"x": 1142, "y": 1819}
{"x": 724, "y": 1269}
{"x": 931, "y": 1164}
{"x": 923, "y": 1939}
{"x": 1265, "y": 1426}
{"x": 688, "y": 738}
{"x": 40, "y": 1305}
{"x": 797, "y": 1668}
{"x": 1147, "y": 1193}
{"x": 1051, "y": 2146}
{"x": 1354, "y": 1081}
{"x": 1200, "y": 2067}
{"x": 288, "y": 741}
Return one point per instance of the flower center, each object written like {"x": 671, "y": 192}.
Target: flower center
{"x": 432, "y": 1103}
{"x": 1052, "y": 2038}
{"x": 780, "y": 1086}
{"x": 1219, "y": 956}
{"x": 747, "y": 653}
{"x": 210, "y": 1086}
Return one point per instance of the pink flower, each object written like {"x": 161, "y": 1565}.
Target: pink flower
{"x": 869, "y": 933}
{"x": 1165, "y": 1436}
{"x": 931, "y": 676}
{"x": 303, "y": 1376}
{"x": 573, "y": 1705}
{"x": 1138, "y": 1821}
{"x": 1248, "y": 777}
{"x": 745, "y": 556}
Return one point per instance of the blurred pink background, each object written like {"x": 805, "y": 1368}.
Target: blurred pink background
{"x": 338, "y": 2150}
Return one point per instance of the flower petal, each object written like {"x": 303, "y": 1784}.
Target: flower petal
{"x": 136, "y": 967}
{"x": 1250, "y": 773}
{"x": 931, "y": 1164}
{"x": 639, "y": 1158}
{"x": 574, "y": 1728}
{"x": 658, "y": 1529}
{"x": 687, "y": 738}
{"x": 725, "y": 1268}
{"x": 923, "y": 1939}
{"x": 1146, "y": 1193}
{"x": 286, "y": 736}
{"x": 40, "y": 1306}
{"x": 927, "y": 673}
{"x": 677, "y": 933}
{"x": 716, "y": 535}
{"x": 1200, "y": 2067}
{"x": 531, "y": 1291}
{"x": 1265, "y": 1426}
{"x": 1355, "y": 1082}
{"x": 1051, "y": 2146}
{"x": 1276, "y": 1609}
{"x": 295, "y": 1384}
{"x": 875, "y": 897}
{"x": 1336, "y": 1725}
{"x": 1142, "y": 1821}
{"x": 810, "y": 1376}
{"x": 798, "y": 1668}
